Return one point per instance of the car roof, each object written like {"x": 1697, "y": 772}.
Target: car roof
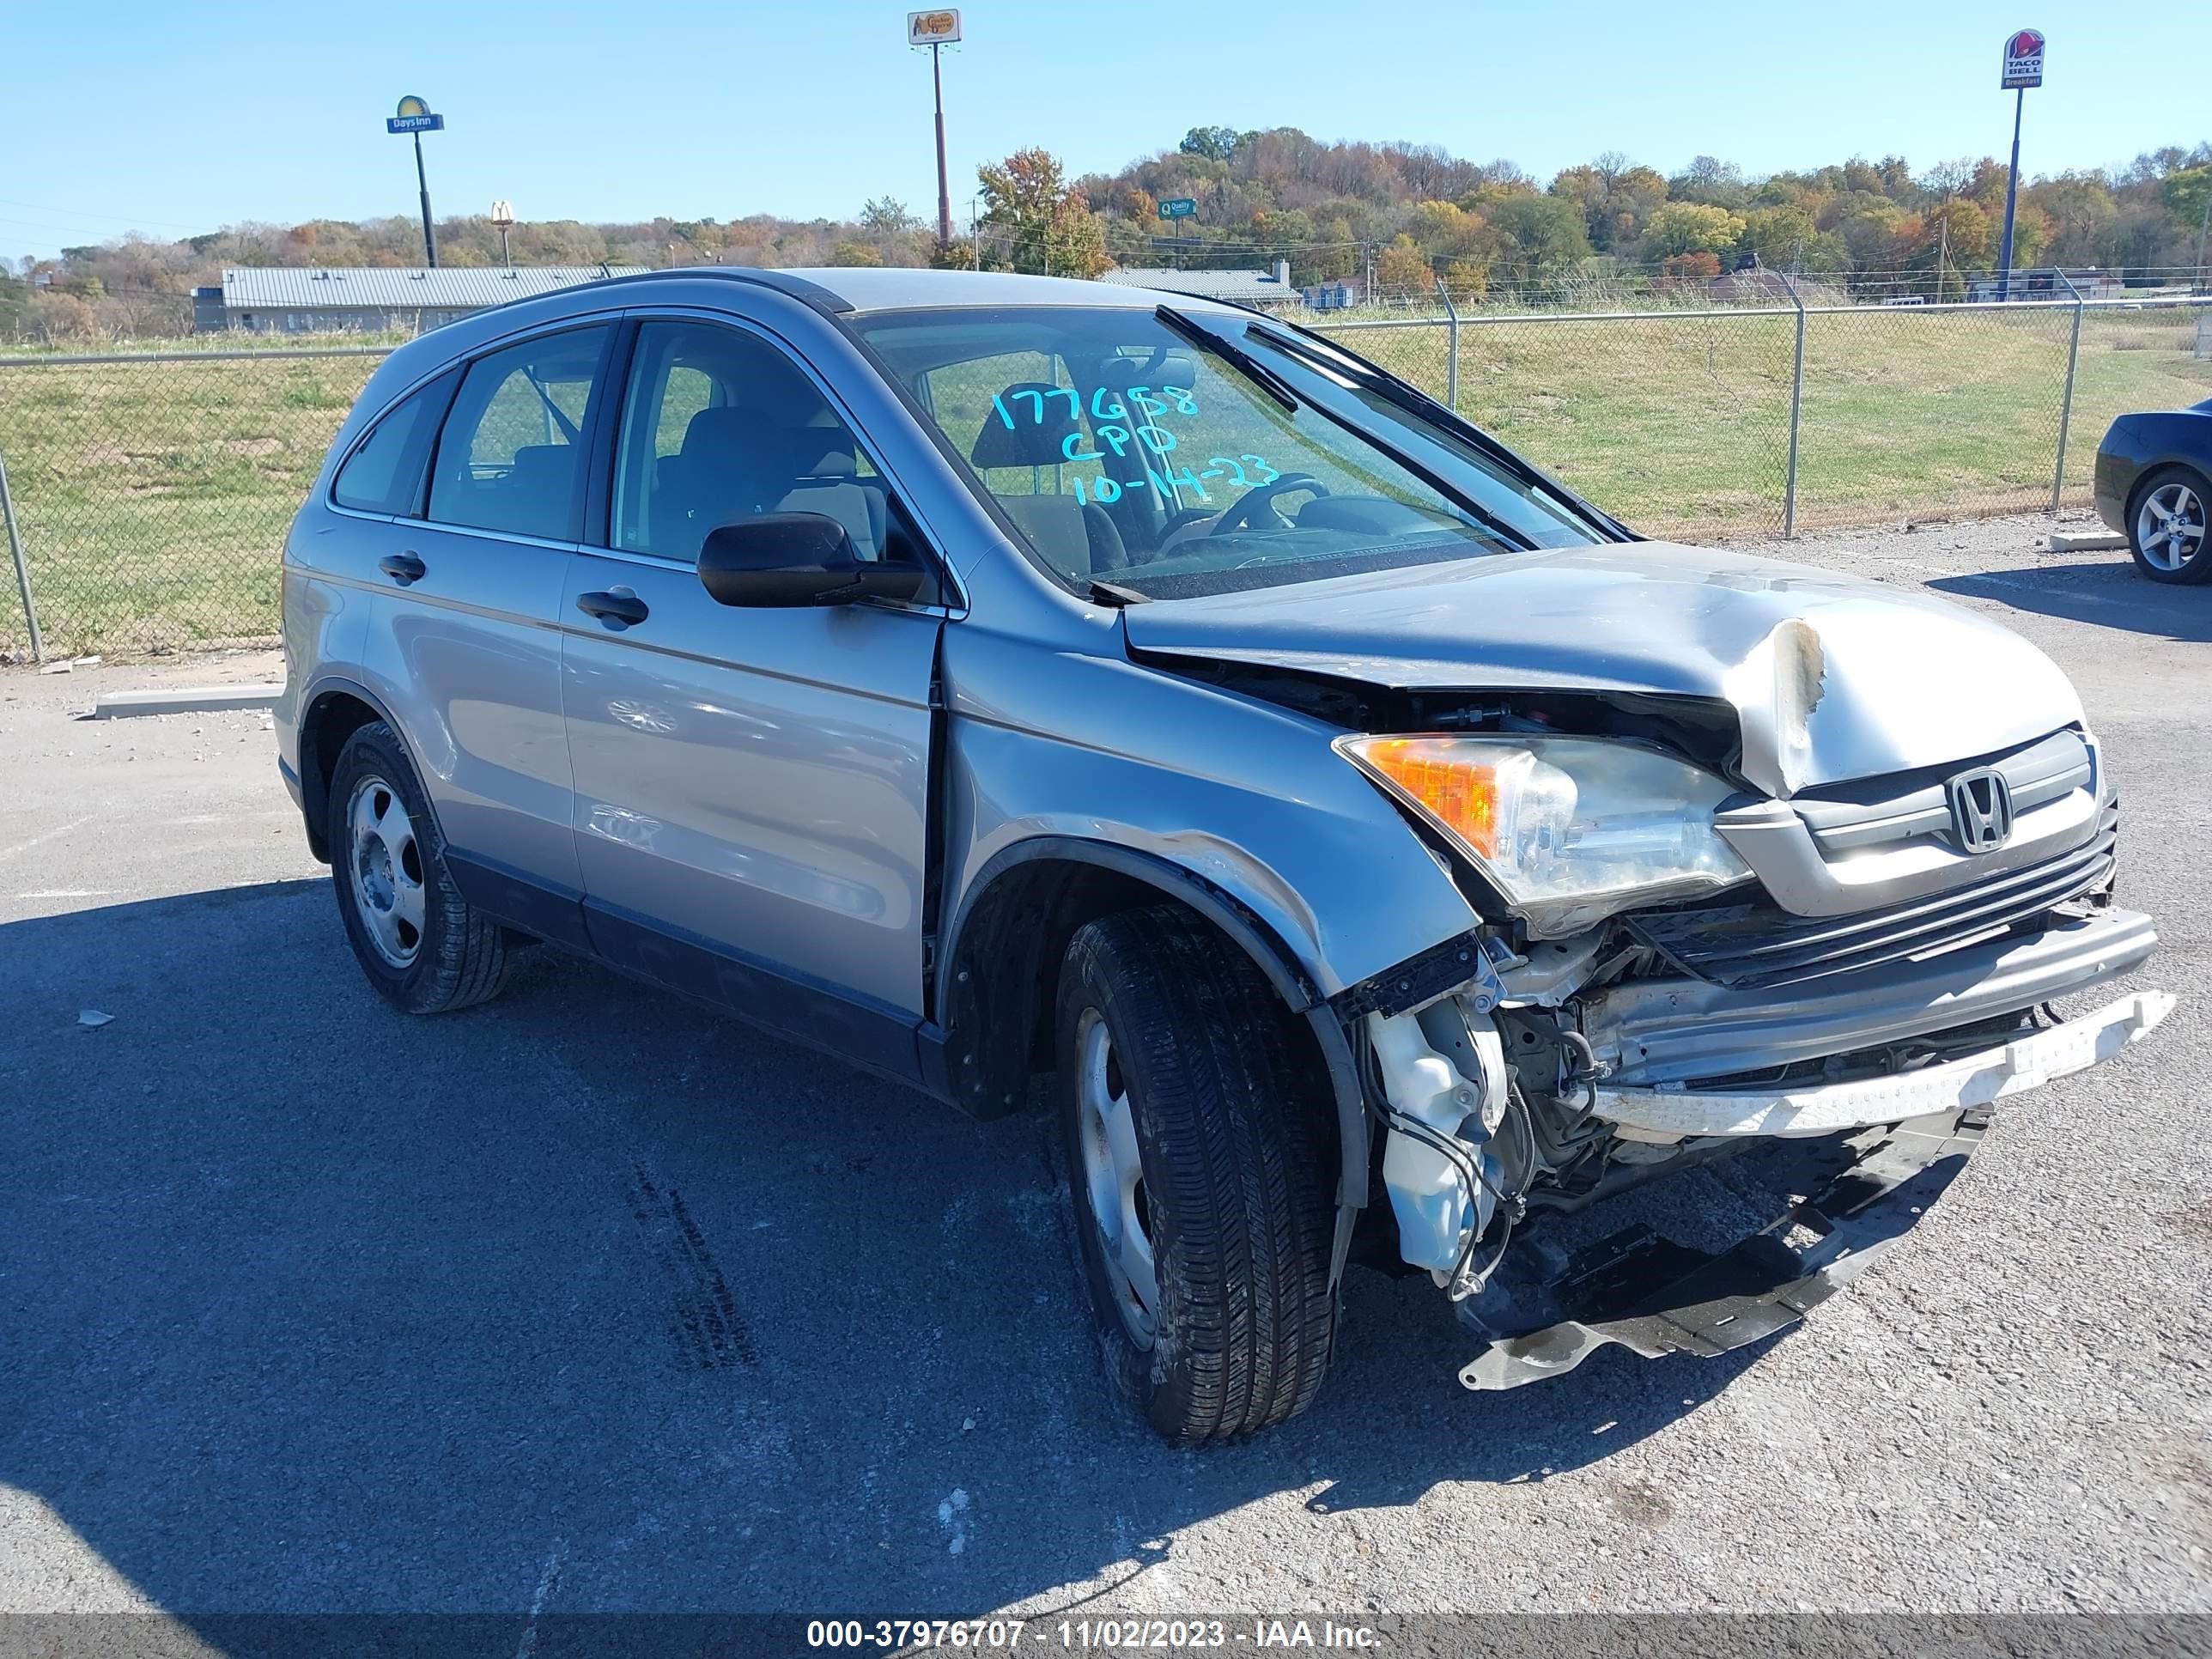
{"x": 839, "y": 291}
{"x": 854, "y": 289}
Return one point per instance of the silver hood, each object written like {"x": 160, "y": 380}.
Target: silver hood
{"x": 1832, "y": 677}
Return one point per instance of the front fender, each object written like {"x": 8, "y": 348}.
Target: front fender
{"x": 1246, "y": 797}
{"x": 980, "y": 1083}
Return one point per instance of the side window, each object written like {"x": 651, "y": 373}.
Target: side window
{"x": 385, "y": 474}
{"x": 718, "y": 425}
{"x": 510, "y": 456}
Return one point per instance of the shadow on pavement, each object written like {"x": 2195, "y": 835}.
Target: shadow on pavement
{"x": 2108, "y": 594}
{"x": 308, "y": 1306}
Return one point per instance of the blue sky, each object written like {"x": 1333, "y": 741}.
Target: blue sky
{"x": 175, "y": 119}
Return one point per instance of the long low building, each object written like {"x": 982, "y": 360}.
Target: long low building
{"x": 323, "y": 300}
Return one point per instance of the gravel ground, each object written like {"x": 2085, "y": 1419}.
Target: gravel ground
{"x": 590, "y": 1301}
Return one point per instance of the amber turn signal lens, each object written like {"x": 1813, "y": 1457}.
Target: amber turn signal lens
{"x": 1460, "y": 794}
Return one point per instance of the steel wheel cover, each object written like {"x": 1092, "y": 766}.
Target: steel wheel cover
{"x": 1113, "y": 1177}
{"x": 383, "y": 865}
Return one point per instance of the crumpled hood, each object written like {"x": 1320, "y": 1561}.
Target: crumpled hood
{"x": 1832, "y": 677}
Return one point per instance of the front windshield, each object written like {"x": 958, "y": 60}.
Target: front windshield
{"x": 1180, "y": 452}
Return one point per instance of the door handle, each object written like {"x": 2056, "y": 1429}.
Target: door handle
{"x": 618, "y": 607}
{"x": 402, "y": 567}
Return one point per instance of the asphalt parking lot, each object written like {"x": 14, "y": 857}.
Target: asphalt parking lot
{"x": 587, "y": 1300}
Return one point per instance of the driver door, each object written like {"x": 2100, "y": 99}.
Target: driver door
{"x": 752, "y": 786}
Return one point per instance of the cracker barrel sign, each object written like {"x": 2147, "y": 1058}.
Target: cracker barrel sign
{"x": 932, "y": 28}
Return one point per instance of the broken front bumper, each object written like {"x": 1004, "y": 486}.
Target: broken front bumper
{"x": 1851, "y": 1197}
{"x": 1976, "y": 1079}
{"x": 1656, "y": 1032}
{"x": 1853, "y": 1162}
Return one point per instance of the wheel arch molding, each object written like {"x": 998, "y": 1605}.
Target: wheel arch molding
{"x": 996, "y": 973}
{"x": 323, "y": 729}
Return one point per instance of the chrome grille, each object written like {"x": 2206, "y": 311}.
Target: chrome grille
{"x": 1759, "y": 945}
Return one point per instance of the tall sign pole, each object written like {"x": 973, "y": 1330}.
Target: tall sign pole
{"x": 937, "y": 30}
{"x": 944, "y": 184}
{"x": 415, "y": 118}
{"x": 2023, "y": 68}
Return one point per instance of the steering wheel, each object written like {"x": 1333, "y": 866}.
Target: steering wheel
{"x": 1239, "y": 517}
{"x": 1183, "y": 516}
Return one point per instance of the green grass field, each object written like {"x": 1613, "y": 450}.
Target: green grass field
{"x": 1681, "y": 424}
{"x": 153, "y": 496}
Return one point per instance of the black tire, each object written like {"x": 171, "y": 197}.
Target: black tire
{"x": 1237, "y": 1141}
{"x": 459, "y": 956}
{"x": 2196, "y": 567}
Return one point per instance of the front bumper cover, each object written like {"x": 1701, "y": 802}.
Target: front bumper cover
{"x": 1976, "y": 1079}
{"x": 1851, "y": 1196}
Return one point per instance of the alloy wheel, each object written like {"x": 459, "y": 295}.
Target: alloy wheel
{"x": 2170, "y": 527}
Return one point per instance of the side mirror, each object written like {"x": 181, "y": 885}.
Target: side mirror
{"x": 789, "y": 559}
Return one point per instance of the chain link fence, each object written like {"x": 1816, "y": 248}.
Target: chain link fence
{"x": 151, "y": 491}
{"x": 1760, "y": 420}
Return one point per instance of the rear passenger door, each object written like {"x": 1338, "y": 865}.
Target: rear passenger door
{"x": 752, "y": 785}
{"x": 464, "y": 638}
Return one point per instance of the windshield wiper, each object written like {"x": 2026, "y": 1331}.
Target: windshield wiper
{"x": 1412, "y": 399}
{"x": 1114, "y": 594}
{"x": 1273, "y": 384}
{"x": 1329, "y": 358}
{"x": 1237, "y": 358}
{"x": 1402, "y": 394}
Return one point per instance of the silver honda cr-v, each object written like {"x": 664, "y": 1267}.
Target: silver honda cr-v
{"x": 1392, "y": 857}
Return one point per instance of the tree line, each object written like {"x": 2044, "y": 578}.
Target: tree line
{"x": 1407, "y": 216}
{"x": 1418, "y": 214}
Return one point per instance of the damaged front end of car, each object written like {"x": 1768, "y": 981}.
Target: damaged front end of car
{"x": 1830, "y": 989}
{"x": 1559, "y": 1079}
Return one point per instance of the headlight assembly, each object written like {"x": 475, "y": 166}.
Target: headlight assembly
{"x": 1571, "y": 830}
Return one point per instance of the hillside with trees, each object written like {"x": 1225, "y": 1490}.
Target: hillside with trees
{"x": 1404, "y": 215}
{"x": 1423, "y": 213}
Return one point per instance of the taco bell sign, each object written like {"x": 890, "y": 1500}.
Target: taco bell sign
{"x": 2023, "y": 60}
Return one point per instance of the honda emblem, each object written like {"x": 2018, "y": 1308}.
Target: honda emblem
{"x": 1981, "y": 809}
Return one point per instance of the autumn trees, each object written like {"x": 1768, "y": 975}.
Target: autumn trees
{"x": 1410, "y": 215}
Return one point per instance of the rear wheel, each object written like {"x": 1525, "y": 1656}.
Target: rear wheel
{"x": 418, "y": 941}
{"x": 2166, "y": 525}
{"x": 1202, "y": 1149}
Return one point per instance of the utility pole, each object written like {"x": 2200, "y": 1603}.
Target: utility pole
{"x": 2203, "y": 224}
{"x": 937, "y": 30}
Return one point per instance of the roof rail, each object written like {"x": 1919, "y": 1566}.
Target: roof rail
{"x": 812, "y": 293}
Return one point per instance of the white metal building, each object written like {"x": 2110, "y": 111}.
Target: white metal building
{"x": 313, "y": 299}
{"x": 1251, "y": 287}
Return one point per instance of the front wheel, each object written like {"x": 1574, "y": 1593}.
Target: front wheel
{"x": 422, "y": 946}
{"x": 2166, "y": 525}
{"x": 1201, "y": 1148}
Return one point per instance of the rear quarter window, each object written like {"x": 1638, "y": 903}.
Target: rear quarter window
{"x": 384, "y": 474}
